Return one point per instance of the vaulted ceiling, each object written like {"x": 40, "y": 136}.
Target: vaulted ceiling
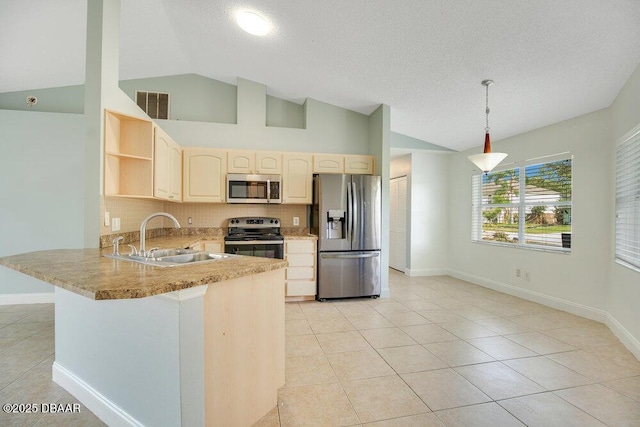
{"x": 550, "y": 60}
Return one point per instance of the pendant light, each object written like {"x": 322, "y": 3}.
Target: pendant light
{"x": 487, "y": 160}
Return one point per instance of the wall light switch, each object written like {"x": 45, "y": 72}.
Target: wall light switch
{"x": 296, "y": 220}
{"x": 115, "y": 224}
{"x": 106, "y": 219}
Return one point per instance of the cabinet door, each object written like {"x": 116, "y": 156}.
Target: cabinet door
{"x": 359, "y": 165}
{"x": 212, "y": 246}
{"x": 269, "y": 163}
{"x": 204, "y": 175}
{"x": 241, "y": 162}
{"x": 328, "y": 163}
{"x": 167, "y": 167}
{"x": 175, "y": 167}
{"x": 297, "y": 177}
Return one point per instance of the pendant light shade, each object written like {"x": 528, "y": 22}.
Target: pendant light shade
{"x": 487, "y": 160}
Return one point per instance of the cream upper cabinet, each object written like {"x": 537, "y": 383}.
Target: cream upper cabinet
{"x": 128, "y": 156}
{"x": 340, "y": 163}
{"x": 297, "y": 178}
{"x": 204, "y": 173}
{"x": 167, "y": 167}
{"x": 364, "y": 165}
{"x": 241, "y": 162}
{"x": 328, "y": 163}
{"x": 254, "y": 162}
{"x": 269, "y": 162}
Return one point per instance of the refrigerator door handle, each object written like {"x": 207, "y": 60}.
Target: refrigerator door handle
{"x": 350, "y": 256}
{"x": 349, "y": 213}
{"x": 355, "y": 230}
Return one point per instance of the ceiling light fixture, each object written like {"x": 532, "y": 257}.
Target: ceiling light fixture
{"x": 253, "y": 23}
{"x": 487, "y": 160}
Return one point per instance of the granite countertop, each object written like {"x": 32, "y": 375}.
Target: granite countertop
{"x": 88, "y": 273}
{"x": 300, "y": 237}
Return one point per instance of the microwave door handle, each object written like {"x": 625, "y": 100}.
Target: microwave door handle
{"x": 268, "y": 190}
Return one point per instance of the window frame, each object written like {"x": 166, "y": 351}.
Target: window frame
{"x": 627, "y": 152}
{"x": 478, "y": 204}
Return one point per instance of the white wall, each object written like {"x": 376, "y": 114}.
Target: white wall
{"x": 579, "y": 277}
{"x": 427, "y": 211}
{"x": 41, "y": 193}
{"x": 624, "y": 283}
{"x": 329, "y": 129}
{"x": 587, "y": 281}
{"x": 429, "y": 218}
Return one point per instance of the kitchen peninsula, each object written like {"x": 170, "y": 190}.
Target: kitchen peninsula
{"x": 199, "y": 344}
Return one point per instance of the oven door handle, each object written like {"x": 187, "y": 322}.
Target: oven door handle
{"x": 254, "y": 242}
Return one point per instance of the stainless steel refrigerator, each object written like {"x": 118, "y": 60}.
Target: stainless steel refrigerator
{"x": 346, "y": 219}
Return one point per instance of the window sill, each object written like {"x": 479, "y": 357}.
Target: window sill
{"x": 536, "y": 248}
{"x": 627, "y": 265}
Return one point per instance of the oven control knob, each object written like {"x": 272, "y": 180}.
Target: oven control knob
{"x": 276, "y": 221}
{"x": 271, "y": 221}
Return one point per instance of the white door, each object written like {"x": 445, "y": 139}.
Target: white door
{"x": 398, "y": 224}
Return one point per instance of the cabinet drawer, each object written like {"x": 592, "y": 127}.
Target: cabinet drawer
{"x": 300, "y": 247}
{"x": 300, "y": 273}
{"x": 300, "y": 260}
{"x": 301, "y": 288}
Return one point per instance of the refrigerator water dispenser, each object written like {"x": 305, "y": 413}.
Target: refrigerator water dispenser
{"x": 335, "y": 224}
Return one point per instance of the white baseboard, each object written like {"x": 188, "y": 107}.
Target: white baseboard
{"x": 415, "y": 272}
{"x": 101, "y": 406}
{"x": 30, "y": 298}
{"x": 632, "y": 344}
{"x": 629, "y": 341}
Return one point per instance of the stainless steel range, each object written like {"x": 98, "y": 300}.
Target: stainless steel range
{"x": 255, "y": 236}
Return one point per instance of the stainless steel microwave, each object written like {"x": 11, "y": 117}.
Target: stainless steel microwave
{"x": 243, "y": 188}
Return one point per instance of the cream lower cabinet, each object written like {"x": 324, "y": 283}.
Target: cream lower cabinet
{"x": 204, "y": 172}
{"x": 215, "y": 246}
{"x": 297, "y": 178}
{"x": 167, "y": 167}
{"x": 301, "y": 272}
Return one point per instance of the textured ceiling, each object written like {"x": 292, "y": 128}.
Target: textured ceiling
{"x": 550, "y": 60}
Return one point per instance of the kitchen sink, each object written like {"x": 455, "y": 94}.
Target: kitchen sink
{"x": 174, "y": 257}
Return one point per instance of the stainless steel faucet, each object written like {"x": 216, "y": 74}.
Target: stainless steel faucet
{"x": 143, "y": 229}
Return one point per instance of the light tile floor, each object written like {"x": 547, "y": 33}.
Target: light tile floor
{"x": 438, "y": 352}
{"x": 444, "y": 352}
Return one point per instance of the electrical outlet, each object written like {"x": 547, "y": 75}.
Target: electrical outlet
{"x": 106, "y": 219}
{"x": 527, "y": 277}
{"x": 296, "y": 220}
{"x": 115, "y": 224}
{"x": 518, "y": 272}
{"x": 189, "y": 220}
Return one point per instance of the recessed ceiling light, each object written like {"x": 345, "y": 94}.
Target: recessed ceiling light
{"x": 253, "y": 23}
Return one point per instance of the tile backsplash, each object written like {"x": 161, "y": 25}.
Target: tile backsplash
{"x": 203, "y": 215}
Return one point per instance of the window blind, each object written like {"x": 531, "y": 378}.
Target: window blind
{"x": 628, "y": 199}
{"x": 525, "y": 206}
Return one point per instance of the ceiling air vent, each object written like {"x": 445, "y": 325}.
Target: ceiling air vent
{"x": 155, "y": 104}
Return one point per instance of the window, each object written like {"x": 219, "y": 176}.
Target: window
{"x": 155, "y": 104}
{"x": 628, "y": 200}
{"x": 527, "y": 206}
